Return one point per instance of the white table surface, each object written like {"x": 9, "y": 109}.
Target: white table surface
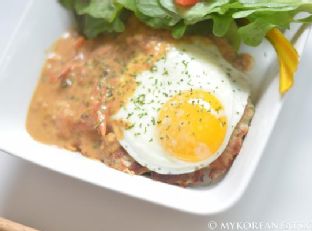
{"x": 280, "y": 191}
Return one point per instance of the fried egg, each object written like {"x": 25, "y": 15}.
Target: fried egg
{"x": 184, "y": 109}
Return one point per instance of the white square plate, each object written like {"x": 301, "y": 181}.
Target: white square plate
{"x": 44, "y": 21}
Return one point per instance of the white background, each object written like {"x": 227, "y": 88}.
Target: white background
{"x": 280, "y": 191}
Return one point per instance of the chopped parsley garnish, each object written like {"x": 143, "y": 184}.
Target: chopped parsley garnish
{"x": 140, "y": 99}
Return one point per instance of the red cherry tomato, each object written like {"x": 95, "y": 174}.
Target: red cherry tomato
{"x": 186, "y": 3}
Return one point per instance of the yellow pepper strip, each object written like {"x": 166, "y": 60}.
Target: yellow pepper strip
{"x": 288, "y": 58}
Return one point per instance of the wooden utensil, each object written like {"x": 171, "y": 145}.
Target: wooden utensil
{"x": 7, "y": 225}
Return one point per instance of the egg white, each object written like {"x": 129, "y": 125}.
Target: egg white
{"x": 186, "y": 66}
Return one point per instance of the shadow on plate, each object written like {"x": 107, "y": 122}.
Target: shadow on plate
{"x": 48, "y": 201}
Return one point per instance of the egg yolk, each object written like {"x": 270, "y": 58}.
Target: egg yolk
{"x": 192, "y": 125}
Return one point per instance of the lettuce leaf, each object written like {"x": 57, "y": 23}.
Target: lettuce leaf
{"x": 106, "y": 10}
{"x": 92, "y": 27}
{"x": 238, "y": 20}
{"x": 69, "y": 4}
{"x": 95, "y": 17}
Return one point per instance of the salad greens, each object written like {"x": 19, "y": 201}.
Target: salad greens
{"x": 240, "y": 20}
{"x": 247, "y": 21}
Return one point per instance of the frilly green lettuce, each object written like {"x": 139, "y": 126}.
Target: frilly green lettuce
{"x": 238, "y": 20}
